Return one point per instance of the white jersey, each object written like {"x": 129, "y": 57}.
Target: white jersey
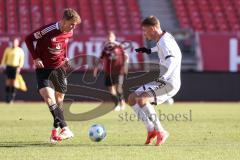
{"x": 170, "y": 57}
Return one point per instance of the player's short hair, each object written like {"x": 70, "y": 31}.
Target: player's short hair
{"x": 71, "y": 15}
{"x": 111, "y": 33}
{"x": 151, "y": 21}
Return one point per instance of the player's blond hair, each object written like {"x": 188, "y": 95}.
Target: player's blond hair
{"x": 111, "y": 33}
{"x": 151, "y": 21}
{"x": 71, "y": 15}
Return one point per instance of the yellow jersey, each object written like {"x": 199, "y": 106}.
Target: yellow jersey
{"x": 13, "y": 57}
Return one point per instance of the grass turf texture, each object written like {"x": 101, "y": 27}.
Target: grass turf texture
{"x": 208, "y": 131}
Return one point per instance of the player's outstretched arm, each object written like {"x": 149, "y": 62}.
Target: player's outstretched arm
{"x": 143, "y": 50}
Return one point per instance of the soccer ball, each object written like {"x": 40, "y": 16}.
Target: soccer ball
{"x": 97, "y": 132}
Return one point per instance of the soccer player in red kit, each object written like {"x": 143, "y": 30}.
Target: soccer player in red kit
{"x": 48, "y": 46}
{"x": 115, "y": 67}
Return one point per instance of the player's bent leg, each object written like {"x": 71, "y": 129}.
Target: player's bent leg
{"x": 142, "y": 100}
{"x": 132, "y": 99}
{"x": 120, "y": 96}
{"x": 160, "y": 93}
{"x": 7, "y": 91}
{"x": 11, "y": 90}
{"x": 59, "y": 98}
{"x": 65, "y": 132}
{"x": 48, "y": 95}
{"x": 113, "y": 91}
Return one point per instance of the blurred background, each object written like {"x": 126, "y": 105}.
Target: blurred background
{"x": 206, "y": 30}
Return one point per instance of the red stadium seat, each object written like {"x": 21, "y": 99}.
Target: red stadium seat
{"x": 208, "y": 15}
{"x": 2, "y": 17}
{"x": 87, "y": 17}
{"x": 12, "y": 17}
{"x": 134, "y": 14}
{"x": 48, "y": 12}
{"x": 36, "y": 14}
{"x": 24, "y": 14}
{"x": 98, "y": 16}
{"x": 59, "y": 6}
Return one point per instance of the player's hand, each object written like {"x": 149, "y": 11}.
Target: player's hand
{"x": 161, "y": 79}
{"x": 143, "y": 50}
{"x": 38, "y": 63}
{"x": 66, "y": 63}
{"x": 66, "y": 60}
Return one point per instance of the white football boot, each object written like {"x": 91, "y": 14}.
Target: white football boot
{"x": 66, "y": 133}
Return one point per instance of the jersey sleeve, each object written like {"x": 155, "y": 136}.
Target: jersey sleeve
{"x": 170, "y": 59}
{"x": 4, "y": 58}
{"x": 155, "y": 49}
{"x": 34, "y": 37}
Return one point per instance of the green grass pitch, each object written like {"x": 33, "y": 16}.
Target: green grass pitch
{"x": 202, "y": 131}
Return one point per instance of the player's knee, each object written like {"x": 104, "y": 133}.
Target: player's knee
{"x": 142, "y": 100}
{"x": 49, "y": 100}
{"x": 132, "y": 99}
{"x": 59, "y": 98}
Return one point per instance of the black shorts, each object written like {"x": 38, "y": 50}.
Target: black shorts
{"x": 11, "y": 72}
{"x": 54, "y": 78}
{"x": 111, "y": 80}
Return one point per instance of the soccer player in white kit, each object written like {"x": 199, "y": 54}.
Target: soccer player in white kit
{"x": 161, "y": 89}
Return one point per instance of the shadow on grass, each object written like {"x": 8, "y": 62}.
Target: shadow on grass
{"x": 30, "y": 144}
{"x": 61, "y": 144}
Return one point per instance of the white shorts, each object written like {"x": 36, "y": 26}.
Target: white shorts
{"x": 159, "y": 91}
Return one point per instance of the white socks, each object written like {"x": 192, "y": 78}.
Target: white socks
{"x": 152, "y": 115}
{"x": 141, "y": 115}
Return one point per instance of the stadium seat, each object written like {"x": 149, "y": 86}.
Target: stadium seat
{"x": 2, "y": 17}
{"x": 208, "y": 15}
{"x": 59, "y": 6}
{"x": 24, "y": 14}
{"x": 86, "y": 15}
{"x": 48, "y": 12}
{"x": 98, "y": 16}
{"x": 36, "y": 14}
{"x": 12, "y": 17}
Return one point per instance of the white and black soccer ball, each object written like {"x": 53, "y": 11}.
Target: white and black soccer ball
{"x": 97, "y": 132}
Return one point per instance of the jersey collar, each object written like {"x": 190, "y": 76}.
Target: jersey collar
{"x": 57, "y": 26}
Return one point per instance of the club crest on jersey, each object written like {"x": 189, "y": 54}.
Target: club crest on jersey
{"x": 58, "y": 46}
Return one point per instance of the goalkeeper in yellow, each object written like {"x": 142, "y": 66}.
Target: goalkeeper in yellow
{"x": 13, "y": 60}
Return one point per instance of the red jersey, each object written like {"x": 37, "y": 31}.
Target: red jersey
{"x": 49, "y": 44}
{"x": 114, "y": 58}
